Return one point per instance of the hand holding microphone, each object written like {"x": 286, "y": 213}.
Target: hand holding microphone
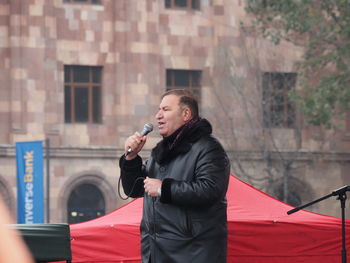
{"x": 135, "y": 143}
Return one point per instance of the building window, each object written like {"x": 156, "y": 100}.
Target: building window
{"x": 185, "y": 79}
{"x": 278, "y": 109}
{"x": 297, "y": 190}
{"x": 82, "y": 94}
{"x": 5, "y": 196}
{"x": 347, "y": 123}
{"x": 268, "y": 3}
{"x": 95, "y": 2}
{"x": 86, "y": 202}
{"x": 183, "y": 4}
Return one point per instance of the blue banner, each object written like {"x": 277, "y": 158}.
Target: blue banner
{"x": 30, "y": 182}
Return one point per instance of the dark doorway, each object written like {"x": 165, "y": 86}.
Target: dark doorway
{"x": 86, "y": 202}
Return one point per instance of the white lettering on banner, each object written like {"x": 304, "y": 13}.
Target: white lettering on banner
{"x": 28, "y": 180}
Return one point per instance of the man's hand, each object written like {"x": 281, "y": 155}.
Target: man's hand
{"x": 152, "y": 186}
{"x": 135, "y": 143}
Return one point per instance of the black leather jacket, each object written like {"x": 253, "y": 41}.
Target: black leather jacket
{"x": 188, "y": 223}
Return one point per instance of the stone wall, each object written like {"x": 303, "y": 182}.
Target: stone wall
{"x": 135, "y": 42}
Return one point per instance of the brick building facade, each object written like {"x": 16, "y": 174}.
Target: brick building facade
{"x": 86, "y": 74}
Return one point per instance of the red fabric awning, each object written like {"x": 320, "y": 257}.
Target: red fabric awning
{"x": 260, "y": 231}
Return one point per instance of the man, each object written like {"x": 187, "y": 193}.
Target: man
{"x": 184, "y": 184}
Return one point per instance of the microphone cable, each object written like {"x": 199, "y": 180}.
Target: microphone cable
{"x": 147, "y": 128}
{"x": 132, "y": 188}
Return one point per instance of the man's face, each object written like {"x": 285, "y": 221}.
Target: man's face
{"x": 171, "y": 116}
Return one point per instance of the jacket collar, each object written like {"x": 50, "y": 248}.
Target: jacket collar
{"x": 163, "y": 154}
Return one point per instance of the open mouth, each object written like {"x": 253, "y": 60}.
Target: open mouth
{"x": 160, "y": 124}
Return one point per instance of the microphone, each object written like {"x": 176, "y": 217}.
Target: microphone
{"x": 147, "y": 128}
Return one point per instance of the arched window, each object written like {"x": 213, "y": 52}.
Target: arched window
{"x": 5, "y": 195}
{"x": 298, "y": 190}
{"x": 85, "y": 202}
{"x": 293, "y": 197}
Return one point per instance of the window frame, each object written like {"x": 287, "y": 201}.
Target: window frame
{"x": 272, "y": 117}
{"x": 189, "y": 5}
{"x": 88, "y": 2}
{"x": 73, "y": 86}
{"x": 195, "y": 90}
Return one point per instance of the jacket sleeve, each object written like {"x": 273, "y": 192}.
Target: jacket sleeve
{"x": 209, "y": 184}
{"x": 132, "y": 176}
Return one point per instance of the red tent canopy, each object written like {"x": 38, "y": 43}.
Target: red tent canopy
{"x": 260, "y": 231}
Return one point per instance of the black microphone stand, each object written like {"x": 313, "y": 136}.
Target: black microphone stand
{"x": 341, "y": 193}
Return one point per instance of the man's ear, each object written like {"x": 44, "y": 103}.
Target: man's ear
{"x": 187, "y": 114}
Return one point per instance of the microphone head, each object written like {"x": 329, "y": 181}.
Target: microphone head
{"x": 147, "y": 129}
